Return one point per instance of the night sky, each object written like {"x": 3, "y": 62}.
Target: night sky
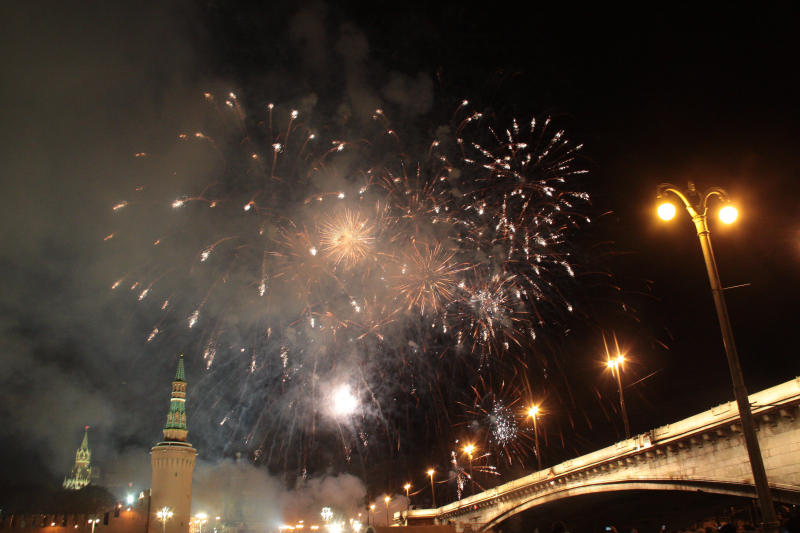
{"x": 655, "y": 94}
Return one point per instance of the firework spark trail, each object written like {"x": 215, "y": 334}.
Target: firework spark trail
{"x": 335, "y": 257}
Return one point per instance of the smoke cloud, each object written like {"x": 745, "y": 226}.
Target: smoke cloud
{"x": 241, "y": 491}
{"x": 87, "y": 95}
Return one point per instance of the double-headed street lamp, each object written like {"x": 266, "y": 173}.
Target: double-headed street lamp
{"x": 533, "y": 412}
{"x": 164, "y": 514}
{"x": 696, "y": 205}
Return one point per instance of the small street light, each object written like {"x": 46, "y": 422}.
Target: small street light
{"x": 533, "y": 412}
{"x": 369, "y": 515}
{"x": 696, "y": 205}
{"x": 386, "y": 500}
{"x": 469, "y": 449}
{"x": 164, "y": 514}
{"x": 430, "y": 473}
{"x": 407, "y": 486}
{"x": 615, "y": 365}
{"x": 201, "y": 519}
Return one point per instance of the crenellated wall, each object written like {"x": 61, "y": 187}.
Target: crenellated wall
{"x": 116, "y": 520}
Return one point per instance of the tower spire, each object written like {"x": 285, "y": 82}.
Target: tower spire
{"x": 81, "y": 474}
{"x": 85, "y": 441}
{"x": 175, "y": 428}
{"x": 179, "y": 373}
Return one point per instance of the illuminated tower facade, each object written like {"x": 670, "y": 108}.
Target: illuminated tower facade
{"x": 173, "y": 464}
{"x": 81, "y": 474}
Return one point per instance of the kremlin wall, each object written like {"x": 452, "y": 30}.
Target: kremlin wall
{"x": 165, "y": 508}
{"x": 119, "y": 519}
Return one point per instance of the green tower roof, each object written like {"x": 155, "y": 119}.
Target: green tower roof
{"x": 179, "y": 374}
{"x": 175, "y": 428}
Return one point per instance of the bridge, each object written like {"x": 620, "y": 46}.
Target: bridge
{"x": 704, "y": 452}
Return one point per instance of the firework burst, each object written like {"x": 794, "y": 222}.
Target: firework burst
{"x": 496, "y": 420}
{"x": 309, "y": 260}
{"x": 428, "y": 277}
{"x": 347, "y": 238}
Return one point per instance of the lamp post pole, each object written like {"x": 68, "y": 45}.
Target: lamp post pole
{"x": 469, "y": 449}
{"x": 164, "y": 514}
{"x": 616, "y": 369}
{"x": 433, "y": 490}
{"x": 618, "y": 372}
{"x": 533, "y": 412}
{"x": 698, "y": 211}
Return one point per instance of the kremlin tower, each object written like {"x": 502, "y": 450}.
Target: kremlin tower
{"x": 173, "y": 464}
{"x": 81, "y": 474}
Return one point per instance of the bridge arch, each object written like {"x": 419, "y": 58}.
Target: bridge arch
{"x": 789, "y": 495}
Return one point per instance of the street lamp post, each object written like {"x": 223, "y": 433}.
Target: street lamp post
{"x": 616, "y": 370}
{"x": 386, "y": 500}
{"x": 407, "y": 486}
{"x": 469, "y": 449}
{"x": 201, "y": 518}
{"x": 533, "y": 412}
{"x": 369, "y": 515}
{"x": 430, "y": 473}
{"x": 94, "y": 522}
{"x": 164, "y": 514}
{"x": 697, "y": 207}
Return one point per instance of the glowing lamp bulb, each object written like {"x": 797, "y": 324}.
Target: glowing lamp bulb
{"x": 728, "y": 214}
{"x": 533, "y": 411}
{"x": 666, "y": 211}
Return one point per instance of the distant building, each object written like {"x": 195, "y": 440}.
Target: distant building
{"x": 81, "y": 474}
{"x": 173, "y": 465}
{"x": 81, "y": 512}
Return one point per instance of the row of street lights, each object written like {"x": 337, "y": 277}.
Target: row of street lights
{"x": 470, "y": 450}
